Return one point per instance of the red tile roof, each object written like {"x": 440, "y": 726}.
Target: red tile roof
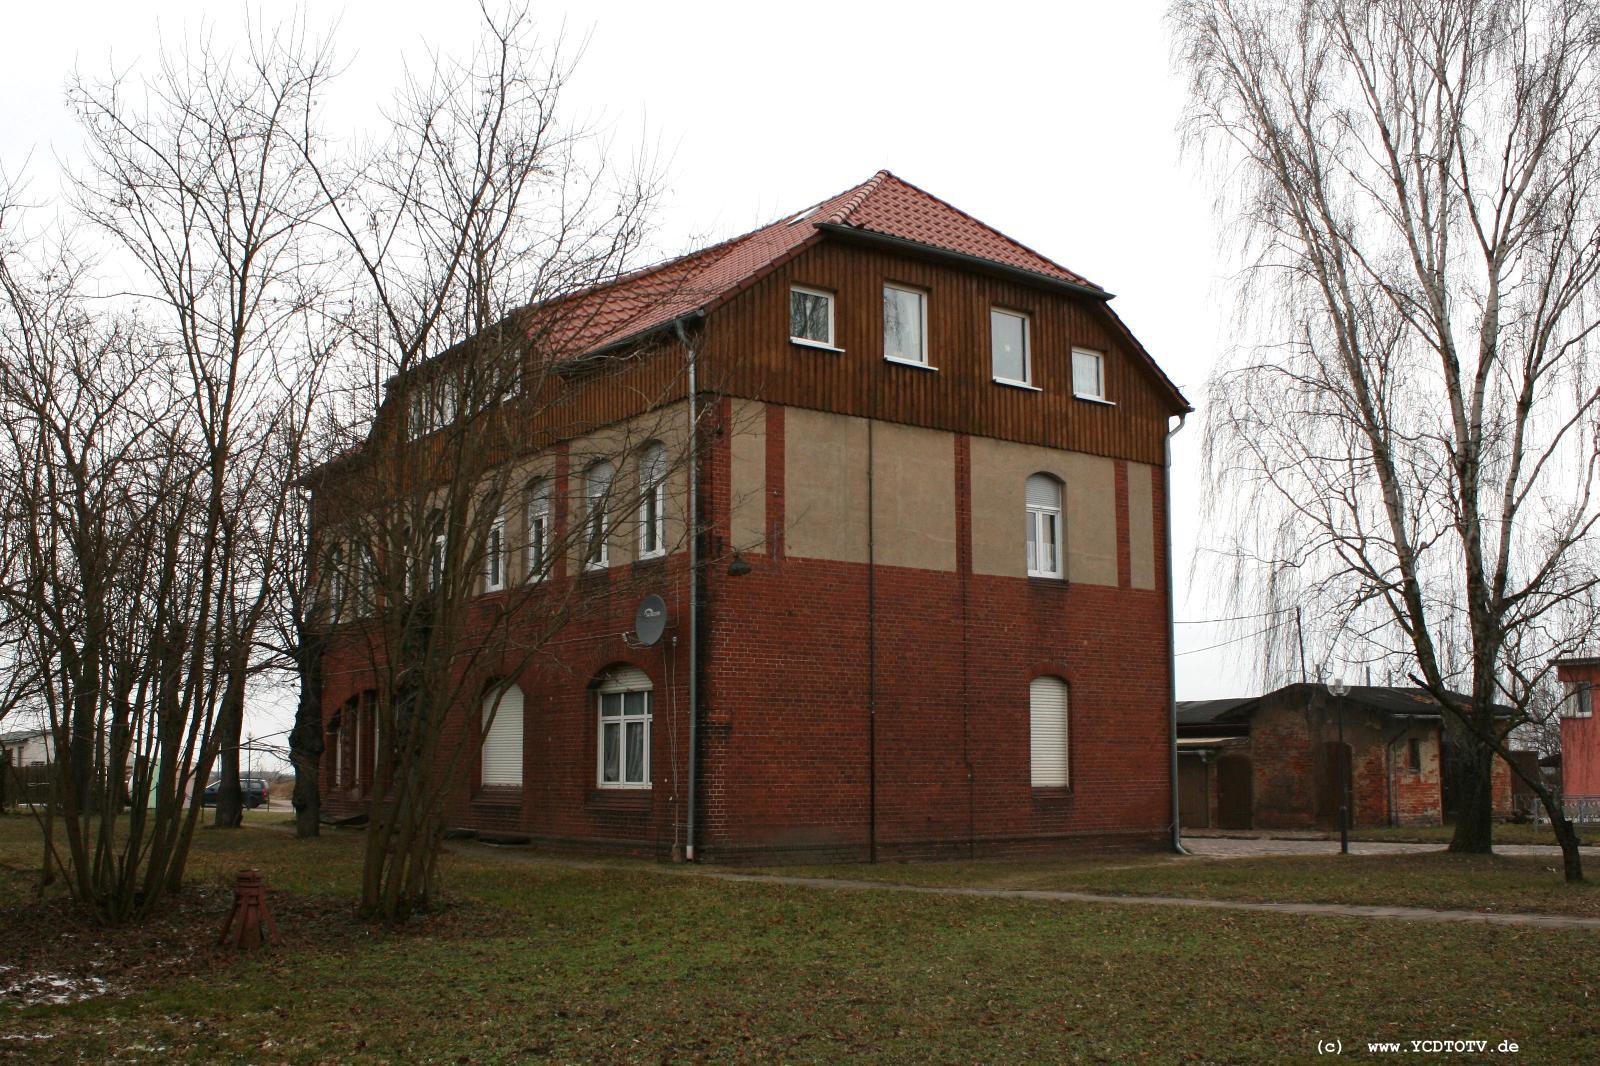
{"x": 883, "y": 205}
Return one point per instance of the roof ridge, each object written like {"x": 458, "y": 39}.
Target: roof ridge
{"x": 877, "y": 181}
{"x": 862, "y": 193}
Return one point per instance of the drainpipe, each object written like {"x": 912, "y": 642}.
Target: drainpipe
{"x": 1172, "y": 648}
{"x": 694, "y": 592}
{"x": 872, "y": 662}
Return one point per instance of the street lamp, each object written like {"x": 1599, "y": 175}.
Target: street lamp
{"x": 1339, "y": 688}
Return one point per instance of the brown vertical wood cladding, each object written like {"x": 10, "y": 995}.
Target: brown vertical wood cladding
{"x": 748, "y": 354}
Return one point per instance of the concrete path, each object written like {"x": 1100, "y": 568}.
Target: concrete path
{"x": 1326, "y": 910}
{"x": 1335, "y": 910}
{"x": 1233, "y": 847}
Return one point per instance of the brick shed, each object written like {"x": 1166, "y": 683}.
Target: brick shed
{"x": 1274, "y": 761}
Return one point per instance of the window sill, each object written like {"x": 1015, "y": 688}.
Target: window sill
{"x": 801, "y": 342}
{"x": 1048, "y": 580}
{"x": 907, "y": 362}
{"x": 633, "y": 800}
{"x": 498, "y": 796}
{"x": 1023, "y": 385}
{"x": 650, "y": 562}
{"x": 1094, "y": 399}
{"x": 1052, "y": 795}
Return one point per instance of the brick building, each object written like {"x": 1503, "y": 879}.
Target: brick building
{"x": 1580, "y": 732}
{"x": 1274, "y": 761}
{"x": 931, "y": 579}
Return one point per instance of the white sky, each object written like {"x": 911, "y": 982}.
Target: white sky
{"x": 1054, "y": 122}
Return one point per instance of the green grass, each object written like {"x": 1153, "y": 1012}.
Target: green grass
{"x": 545, "y": 962}
{"x": 1435, "y": 879}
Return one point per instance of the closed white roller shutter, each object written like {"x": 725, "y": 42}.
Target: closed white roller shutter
{"x": 1043, "y": 491}
{"x": 1047, "y": 713}
{"x": 502, "y": 738}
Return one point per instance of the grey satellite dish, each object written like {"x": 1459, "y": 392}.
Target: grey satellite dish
{"x": 650, "y": 620}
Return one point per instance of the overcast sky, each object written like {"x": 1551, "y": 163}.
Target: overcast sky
{"x": 1054, "y": 122}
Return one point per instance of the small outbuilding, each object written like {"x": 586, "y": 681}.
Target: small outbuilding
{"x": 1276, "y": 761}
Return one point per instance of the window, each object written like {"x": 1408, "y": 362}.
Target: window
{"x": 1043, "y": 499}
{"x": 494, "y": 556}
{"x": 1008, "y": 340}
{"x": 1414, "y": 755}
{"x": 598, "y": 483}
{"x": 366, "y": 579}
{"x": 501, "y": 762}
{"x": 436, "y": 551}
{"x": 623, "y": 748}
{"x": 652, "y": 501}
{"x": 1579, "y": 701}
{"x": 538, "y": 547}
{"x": 1088, "y": 374}
{"x": 905, "y": 325}
{"x": 1047, "y": 731}
{"x": 336, "y": 583}
{"x": 811, "y": 317}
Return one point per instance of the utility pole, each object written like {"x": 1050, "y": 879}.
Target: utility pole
{"x": 1300, "y": 632}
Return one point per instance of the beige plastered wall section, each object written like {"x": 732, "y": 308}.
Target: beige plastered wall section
{"x": 1142, "y": 525}
{"x": 1000, "y": 470}
{"x": 620, "y": 445}
{"x": 825, "y": 489}
{"x": 748, "y": 476}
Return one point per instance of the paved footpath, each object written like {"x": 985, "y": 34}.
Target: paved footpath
{"x": 1333, "y": 910}
{"x": 1242, "y": 847}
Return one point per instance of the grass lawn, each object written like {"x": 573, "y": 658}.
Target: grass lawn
{"x": 540, "y": 962}
{"x": 1437, "y": 880}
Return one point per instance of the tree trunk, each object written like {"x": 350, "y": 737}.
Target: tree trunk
{"x": 1474, "y": 789}
{"x": 305, "y": 740}
{"x": 230, "y": 724}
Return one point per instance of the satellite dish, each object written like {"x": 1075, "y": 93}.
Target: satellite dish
{"x": 650, "y": 620}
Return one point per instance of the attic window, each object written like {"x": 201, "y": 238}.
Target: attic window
{"x": 811, "y": 317}
{"x": 807, "y": 213}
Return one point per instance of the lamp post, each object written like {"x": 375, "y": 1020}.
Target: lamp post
{"x": 1339, "y": 688}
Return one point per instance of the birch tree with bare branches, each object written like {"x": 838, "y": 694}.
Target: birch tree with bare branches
{"x": 1407, "y": 444}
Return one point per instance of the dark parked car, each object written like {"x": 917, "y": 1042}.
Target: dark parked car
{"x": 255, "y": 792}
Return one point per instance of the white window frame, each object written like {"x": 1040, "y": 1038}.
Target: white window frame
{"x": 1026, "y": 381}
{"x": 597, "y": 531}
{"x": 652, "y": 500}
{"x": 1040, "y": 731}
{"x": 922, "y": 298}
{"x": 504, "y": 719}
{"x": 495, "y": 555}
{"x": 1579, "y": 700}
{"x": 1100, "y": 375}
{"x": 337, "y": 588}
{"x": 831, "y": 344}
{"x": 535, "y": 554}
{"x": 438, "y": 553}
{"x": 1038, "y": 522}
{"x": 619, "y": 688}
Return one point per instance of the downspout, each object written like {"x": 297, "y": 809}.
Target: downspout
{"x": 691, "y": 357}
{"x": 872, "y": 663}
{"x": 1172, "y": 647}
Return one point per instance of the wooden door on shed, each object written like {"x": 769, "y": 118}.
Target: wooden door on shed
{"x": 1333, "y": 779}
{"x": 1235, "y": 794}
{"x": 1194, "y": 793}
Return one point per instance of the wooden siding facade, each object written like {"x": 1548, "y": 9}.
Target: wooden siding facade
{"x": 748, "y": 354}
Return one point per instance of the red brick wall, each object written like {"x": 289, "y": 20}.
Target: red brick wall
{"x": 1580, "y": 739}
{"x": 788, "y": 707}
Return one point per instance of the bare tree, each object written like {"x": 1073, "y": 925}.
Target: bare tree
{"x": 1410, "y": 451}
{"x": 199, "y": 173}
{"x": 471, "y": 229}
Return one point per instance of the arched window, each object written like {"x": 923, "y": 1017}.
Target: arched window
{"x": 597, "y": 482}
{"x": 623, "y": 747}
{"x": 1043, "y": 501}
{"x": 652, "y": 500}
{"x": 494, "y": 555}
{"x": 336, "y": 583}
{"x": 536, "y": 554}
{"x": 1047, "y": 732}
{"x": 502, "y": 738}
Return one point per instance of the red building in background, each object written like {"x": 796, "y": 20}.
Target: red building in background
{"x": 1580, "y": 733}
{"x": 933, "y": 592}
